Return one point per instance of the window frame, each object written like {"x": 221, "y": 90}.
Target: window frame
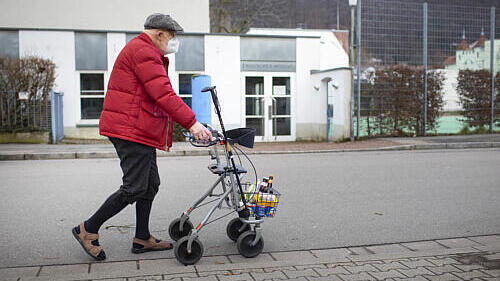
{"x": 87, "y": 122}
{"x": 179, "y": 73}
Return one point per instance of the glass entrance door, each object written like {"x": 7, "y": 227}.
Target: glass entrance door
{"x": 268, "y": 106}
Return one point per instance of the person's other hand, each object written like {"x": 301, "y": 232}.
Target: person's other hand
{"x": 200, "y": 132}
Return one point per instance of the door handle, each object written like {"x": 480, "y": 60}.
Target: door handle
{"x": 270, "y": 112}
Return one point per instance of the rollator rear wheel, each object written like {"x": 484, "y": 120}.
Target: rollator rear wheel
{"x": 174, "y": 229}
{"x": 245, "y": 247}
{"x": 233, "y": 229}
{"x": 182, "y": 255}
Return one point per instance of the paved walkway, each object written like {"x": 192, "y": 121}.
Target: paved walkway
{"x": 469, "y": 258}
{"x": 106, "y": 150}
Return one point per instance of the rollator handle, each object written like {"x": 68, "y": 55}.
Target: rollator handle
{"x": 206, "y": 89}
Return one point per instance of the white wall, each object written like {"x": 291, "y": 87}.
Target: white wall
{"x": 308, "y": 101}
{"x": 222, "y": 63}
{"x": 115, "y": 43}
{"x": 331, "y": 51}
{"x": 58, "y": 46}
{"x": 341, "y": 78}
{"x": 119, "y": 15}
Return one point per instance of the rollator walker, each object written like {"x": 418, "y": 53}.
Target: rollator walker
{"x": 250, "y": 203}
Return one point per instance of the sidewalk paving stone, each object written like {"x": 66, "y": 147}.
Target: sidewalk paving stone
{"x": 114, "y": 267}
{"x": 301, "y": 273}
{"x": 328, "y": 278}
{"x": 280, "y": 268}
{"x": 418, "y": 278}
{"x": 442, "y": 261}
{"x": 19, "y": 272}
{"x": 268, "y": 275}
{"x": 360, "y": 251}
{"x": 236, "y": 277}
{"x": 298, "y": 256}
{"x": 386, "y": 274}
{"x": 417, "y": 263}
{"x": 444, "y": 277}
{"x": 468, "y": 267}
{"x": 332, "y": 271}
{"x": 260, "y": 258}
{"x": 312, "y": 266}
{"x": 179, "y": 276}
{"x": 487, "y": 240}
{"x": 162, "y": 265}
{"x": 391, "y": 248}
{"x": 146, "y": 278}
{"x": 295, "y": 279}
{"x": 493, "y": 257}
{"x": 329, "y": 253}
{"x": 415, "y": 272}
{"x": 54, "y": 270}
{"x": 458, "y": 243}
{"x": 361, "y": 268}
{"x": 438, "y": 270}
{"x": 206, "y": 278}
{"x": 218, "y": 272}
{"x": 389, "y": 266}
{"x": 357, "y": 277}
{"x": 470, "y": 274}
{"x": 492, "y": 272}
{"x": 423, "y": 245}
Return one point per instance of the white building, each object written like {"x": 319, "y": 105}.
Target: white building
{"x": 277, "y": 81}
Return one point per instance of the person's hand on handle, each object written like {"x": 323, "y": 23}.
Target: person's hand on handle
{"x": 200, "y": 132}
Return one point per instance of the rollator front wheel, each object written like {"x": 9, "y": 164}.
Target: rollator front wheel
{"x": 245, "y": 246}
{"x": 174, "y": 229}
{"x": 234, "y": 229}
{"x": 181, "y": 252}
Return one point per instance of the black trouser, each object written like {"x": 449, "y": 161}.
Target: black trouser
{"x": 140, "y": 172}
{"x": 140, "y": 184}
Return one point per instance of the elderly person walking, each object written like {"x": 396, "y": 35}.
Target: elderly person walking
{"x": 138, "y": 113}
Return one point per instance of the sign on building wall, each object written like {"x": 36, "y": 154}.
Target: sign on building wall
{"x": 268, "y": 54}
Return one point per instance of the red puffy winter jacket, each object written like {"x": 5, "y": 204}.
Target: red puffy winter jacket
{"x": 140, "y": 104}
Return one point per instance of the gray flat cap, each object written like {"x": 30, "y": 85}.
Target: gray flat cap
{"x": 161, "y": 21}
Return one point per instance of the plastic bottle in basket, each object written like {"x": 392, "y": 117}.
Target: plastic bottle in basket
{"x": 265, "y": 204}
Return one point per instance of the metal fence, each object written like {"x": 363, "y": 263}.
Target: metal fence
{"x": 21, "y": 113}
{"x": 413, "y": 62}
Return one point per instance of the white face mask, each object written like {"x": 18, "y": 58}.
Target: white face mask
{"x": 173, "y": 46}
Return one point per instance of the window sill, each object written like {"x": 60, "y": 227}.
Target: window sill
{"x": 88, "y": 123}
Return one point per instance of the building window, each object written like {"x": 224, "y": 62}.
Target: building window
{"x": 9, "y": 43}
{"x": 91, "y": 95}
{"x": 185, "y": 88}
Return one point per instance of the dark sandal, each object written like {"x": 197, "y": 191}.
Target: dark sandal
{"x": 152, "y": 244}
{"x": 89, "y": 242}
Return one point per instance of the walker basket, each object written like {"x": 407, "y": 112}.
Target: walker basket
{"x": 242, "y": 136}
{"x": 261, "y": 204}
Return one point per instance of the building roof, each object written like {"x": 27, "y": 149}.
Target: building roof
{"x": 450, "y": 61}
{"x": 343, "y": 38}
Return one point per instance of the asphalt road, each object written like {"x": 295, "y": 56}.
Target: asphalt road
{"x": 329, "y": 200}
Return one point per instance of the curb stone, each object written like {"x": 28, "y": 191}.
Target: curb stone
{"x": 109, "y": 154}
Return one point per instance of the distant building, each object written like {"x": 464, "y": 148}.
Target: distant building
{"x": 474, "y": 56}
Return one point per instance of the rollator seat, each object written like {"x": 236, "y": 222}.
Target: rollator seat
{"x": 221, "y": 169}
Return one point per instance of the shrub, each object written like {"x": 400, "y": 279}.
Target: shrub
{"x": 34, "y": 76}
{"x": 395, "y": 100}
{"x": 474, "y": 92}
